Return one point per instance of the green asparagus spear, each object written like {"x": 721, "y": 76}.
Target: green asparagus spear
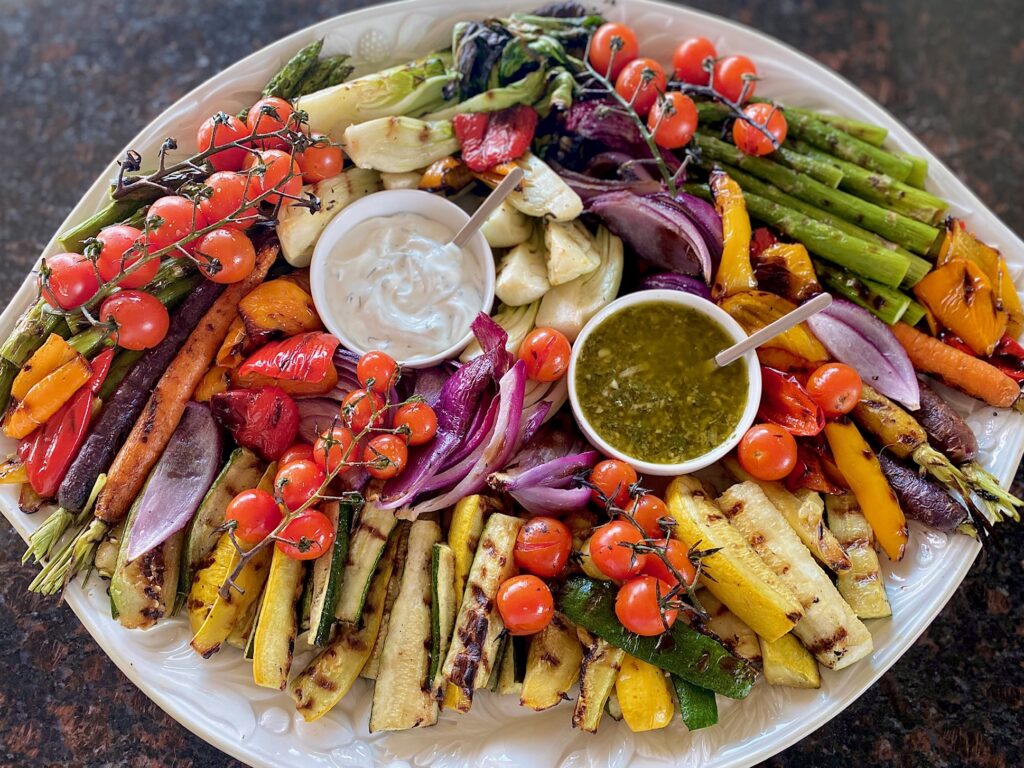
{"x": 113, "y": 212}
{"x": 915, "y": 312}
{"x": 919, "y": 174}
{"x": 33, "y": 328}
{"x": 886, "y": 303}
{"x": 868, "y": 259}
{"x": 123, "y": 362}
{"x": 913, "y": 235}
{"x": 8, "y": 371}
{"x": 822, "y": 170}
{"x": 324, "y": 74}
{"x": 285, "y": 83}
{"x": 874, "y": 135}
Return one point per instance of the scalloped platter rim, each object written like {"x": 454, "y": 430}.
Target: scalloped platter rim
{"x": 217, "y": 700}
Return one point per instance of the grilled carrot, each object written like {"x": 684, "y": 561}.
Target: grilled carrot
{"x": 159, "y": 418}
{"x": 957, "y": 369}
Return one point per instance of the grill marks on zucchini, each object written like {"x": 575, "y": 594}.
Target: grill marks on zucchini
{"x": 277, "y": 625}
{"x": 401, "y": 534}
{"x": 552, "y": 665}
{"x": 599, "y": 667}
{"x": 373, "y": 527}
{"x": 861, "y": 586}
{"x": 327, "y": 573}
{"x": 444, "y": 605}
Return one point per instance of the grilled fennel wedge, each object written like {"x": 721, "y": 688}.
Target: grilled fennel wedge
{"x": 829, "y": 627}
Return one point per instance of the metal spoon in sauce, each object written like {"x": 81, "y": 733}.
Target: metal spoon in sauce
{"x": 487, "y": 207}
{"x": 770, "y": 331}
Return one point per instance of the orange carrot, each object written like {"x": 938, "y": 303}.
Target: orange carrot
{"x": 163, "y": 410}
{"x": 957, "y": 369}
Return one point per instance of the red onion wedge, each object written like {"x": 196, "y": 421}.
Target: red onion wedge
{"x": 673, "y": 281}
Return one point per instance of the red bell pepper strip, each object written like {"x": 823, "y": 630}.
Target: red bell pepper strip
{"x": 48, "y": 452}
{"x": 1008, "y": 355}
{"x": 492, "y": 138}
{"x": 815, "y": 469}
{"x": 785, "y": 402}
{"x": 306, "y": 357}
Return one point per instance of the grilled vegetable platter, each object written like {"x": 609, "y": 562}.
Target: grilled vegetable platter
{"x": 176, "y": 408}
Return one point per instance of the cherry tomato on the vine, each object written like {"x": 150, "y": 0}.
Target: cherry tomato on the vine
{"x": 280, "y": 173}
{"x": 118, "y": 252}
{"x": 612, "y": 553}
{"x": 169, "y": 219}
{"x": 640, "y": 82}
{"x": 639, "y": 609}
{"x": 677, "y": 554}
{"x": 421, "y": 421}
{"x": 688, "y": 60}
{"x": 767, "y": 451}
{"x": 228, "y": 191}
{"x": 362, "y": 408}
{"x": 256, "y": 514}
{"x": 298, "y": 452}
{"x": 673, "y": 120}
{"x": 612, "y": 480}
{"x": 307, "y": 536}
{"x": 267, "y": 116}
{"x": 525, "y": 604}
{"x": 385, "y": 456}
{"x": 732, "y": 75}
{"x": 72, "y": 281}
{"x": 321, "y": 161}
{"x": 298, "y": 481}
{"x": 648, "y": 510}
{"x": 333, "y": 449}
{"x": 225, "y": 255}
{"x": 836, "y": 387}
{"x": 377, "y": 371}
{"x": 543, "y": 547}
{"x": 142, "y": 321}
{"x": 545, "y": 352}
{"x": 603, "y": 58}
{"x": 223, "y": 129}
{"x": 750, "y": 139}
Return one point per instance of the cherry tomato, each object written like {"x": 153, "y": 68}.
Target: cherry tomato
{"x": 361, "y": 409}
{"x": 677, "y": 555}
{"x": 377, "y": 371}
{"x": 673, "y": 120}
{"x": 612, "y": 480}
{"x": 525, "y": 605}
{"x": 732, "y": 75}
{"x": 385, "y": 456}
{"x": 638, "y": 608}
{"x": 320, "y": 161}
{"x": 142, "y": 321}
{"x": 298, "y": 452}
{"x": 751, "y": 140}
{"x": 334, "y": 451}
{"x": 543, "y": 547}
{"x": 280, "y": 173}
{"x": 118, "y": 252}
{"x": 419, "y": 419}
{"x": 225, "y": 255}
{"x": 836, "y": 387}
{"x": 228, "y": 190}
{"x": 267, "y": 116}
{"x": 633, "y": 86}
{"x": 545, "y": 352}
{"x": 767, "y": 451}
{"x": 224, "y": 129}
{"x": 647, "y": 510}
{"x": 171, "y": 218}
{"x": 688, "y": 60}
{"x": 307, "y": 536}
{"x": 298, "y": 481}
{"x": 256, "y": 513}
{"x": 611, "y": 553}
{"x": 72, "y": 281}
{"x": 603, "y": 59}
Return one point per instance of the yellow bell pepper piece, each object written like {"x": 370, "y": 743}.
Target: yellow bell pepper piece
{"x": 46, "y": 397}
{"x": 786, "y": 269}
{"x": 734, "y": 271}
{"x": 875, "y": 496}
{"x": 13, "y": 472}
{"x": 216, "y": 380}
{"x": 230, "y": 354}
{"x": 755, "y": 309}
{"x": 644, "y": 696}
{"x": 54, "y": 353}
{"x": 959, "y": 296}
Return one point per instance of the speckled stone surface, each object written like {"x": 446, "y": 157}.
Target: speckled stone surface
{"x": 78, "y": 78}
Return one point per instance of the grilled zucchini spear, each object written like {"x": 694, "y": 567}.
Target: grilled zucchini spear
{"x": 729, "y": 628}
{"x": 598, "y": 670}
{"x": 861, "y": 586}
{"x": 788, "y": 663}
{"x": 552, "y": 666}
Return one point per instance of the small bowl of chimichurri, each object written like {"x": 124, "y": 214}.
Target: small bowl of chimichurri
{"x": 645, "y": 389}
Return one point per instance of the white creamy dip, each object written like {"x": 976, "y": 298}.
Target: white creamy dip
{"x": 401, "y": 288}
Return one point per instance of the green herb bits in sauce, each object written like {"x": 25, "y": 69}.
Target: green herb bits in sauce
{"x": 645, "y": 383}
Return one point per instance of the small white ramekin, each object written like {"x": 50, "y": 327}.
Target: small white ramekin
{"x": 734, "y": 331}
{"x": 390, "y": 203}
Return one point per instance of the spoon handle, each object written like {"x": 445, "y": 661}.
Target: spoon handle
{"x": 770, "y": 331}
{"x": 488, "y": 206}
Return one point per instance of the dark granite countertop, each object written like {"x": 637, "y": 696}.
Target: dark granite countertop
{"x": 78, "y": 79}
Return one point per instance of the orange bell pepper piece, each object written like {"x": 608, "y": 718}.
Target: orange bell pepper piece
{"x": 959, "y": 296}
{"x": 734, "y": 271}
{"x": 786, "y": 269}
{"x": 54, "y": 353}
{"x": 46, "y": 397}
{"x": 217, "y": 379}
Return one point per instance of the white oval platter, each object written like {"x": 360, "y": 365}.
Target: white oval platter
{"x": 217, "y": 699}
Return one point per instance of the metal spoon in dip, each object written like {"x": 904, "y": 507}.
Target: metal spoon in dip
{"x": 770, "y": 331}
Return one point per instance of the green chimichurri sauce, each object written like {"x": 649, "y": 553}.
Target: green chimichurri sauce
{"x": 643, "y": 383}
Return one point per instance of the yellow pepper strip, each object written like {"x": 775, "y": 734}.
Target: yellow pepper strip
{"x": 216, "y": 380}
{"x": 755, "y": 309}
{"x": 644, "y": 696}
{"x": 959, "y": 296}
{"x": 862, "y": 471}
{"x": 13, "y": 472}
{"x": 230, "y": 354}
{"x": 54, "y": 353}
{"x": 278, "y": 306}
{"x": 46, "y": 397}
{"x": 786, "y": 269}
{"x": 734, "y": 272}
{"x": 277, "y": 625}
